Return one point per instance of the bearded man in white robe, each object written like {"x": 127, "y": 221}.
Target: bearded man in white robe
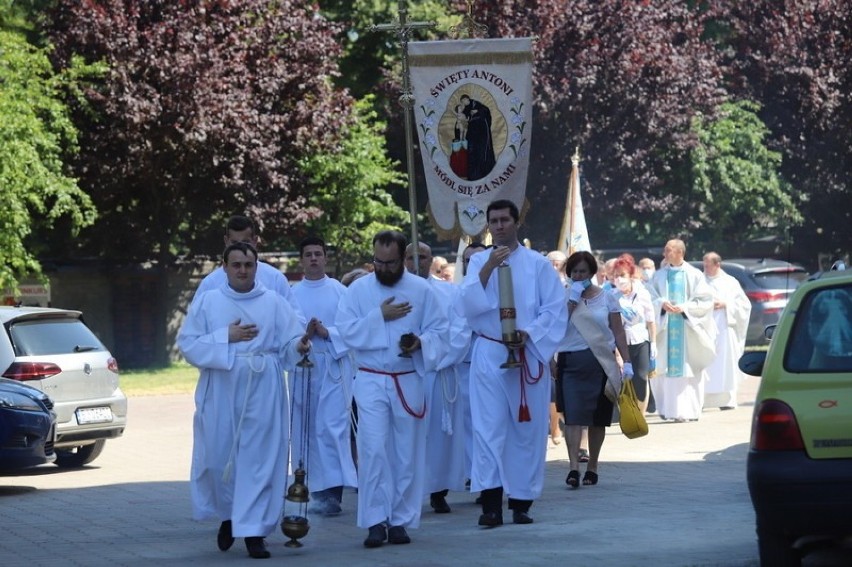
{"x": 240, "y": 335}
{"x": 329, "y": 382}
{"x": 381, "y": 316}
{"x": 686, "y": 335}
{"x": 445, "y": 417}
{"x": 731, "y": 311}
{"x": 510, "y": 406}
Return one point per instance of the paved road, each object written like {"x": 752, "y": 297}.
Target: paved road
{"x": 676, "y": 497}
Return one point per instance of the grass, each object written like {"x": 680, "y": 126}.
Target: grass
{"x": 179, "y": 378}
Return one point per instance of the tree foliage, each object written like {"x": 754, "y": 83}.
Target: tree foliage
{"x": 207, "y": 109}
{"x": 794, "y": 57}
{"x": 349, "y": 185}
{"x": 736, "y": 182}
{"x": 36, "y": 136}
{"x": 623, "y": 81}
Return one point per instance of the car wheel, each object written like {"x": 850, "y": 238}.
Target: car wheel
{"x": 79, "y": 456}
{"x": 776, "y": 549}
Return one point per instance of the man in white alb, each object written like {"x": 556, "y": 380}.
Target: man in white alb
{"x": 381, "y": 316}
{"x": 731, "y": 311}
{"x": 329, "y": 462}
{"x": 510, "y": 406}
{"x": 686, "y": 335}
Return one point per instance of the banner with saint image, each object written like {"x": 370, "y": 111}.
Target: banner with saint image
{"x": 472, "y": 111}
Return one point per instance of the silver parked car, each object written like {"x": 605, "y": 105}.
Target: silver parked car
{"x": 768, "y": 284}
{"x": 53, "y": 350}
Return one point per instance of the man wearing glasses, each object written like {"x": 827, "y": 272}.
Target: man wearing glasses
{"x": 392, "y": 322}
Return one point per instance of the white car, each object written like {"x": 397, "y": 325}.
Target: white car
{"x": 54, "y": 351}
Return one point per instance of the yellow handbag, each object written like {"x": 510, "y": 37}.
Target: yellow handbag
{"x": 632, "y": 421}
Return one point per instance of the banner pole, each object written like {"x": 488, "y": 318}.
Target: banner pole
{"x": 403, "y": 28}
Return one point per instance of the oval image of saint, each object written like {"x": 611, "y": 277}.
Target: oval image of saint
{"x": 472, "y": 132}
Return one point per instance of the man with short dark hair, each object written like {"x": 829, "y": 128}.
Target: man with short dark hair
{"x": 510, "y": 454}
{"x": 382, "y": 316}
{"x": 329, "y": 461}
{"x": 240, "y": 335}
{"x": 240, "y": 228}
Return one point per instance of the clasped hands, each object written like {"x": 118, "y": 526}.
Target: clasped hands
{"x": 671, "y": 307}
{"x": 315, "y": 327}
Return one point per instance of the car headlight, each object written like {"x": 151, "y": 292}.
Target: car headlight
{"x": 18, "y": 401}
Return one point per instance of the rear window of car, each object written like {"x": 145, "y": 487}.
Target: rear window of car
{"x": 821, "y": 340}
{"x": 52, "y": 336}
{"x": 780, "y": 280}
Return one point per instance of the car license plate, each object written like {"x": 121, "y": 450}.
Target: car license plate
{"x": 93, "y": 415}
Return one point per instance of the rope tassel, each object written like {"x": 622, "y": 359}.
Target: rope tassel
{"x": 527, "y": 378}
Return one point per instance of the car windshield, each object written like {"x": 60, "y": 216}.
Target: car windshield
{"x": 821, "y": 340}
{"x": 52, "y": 336}
{"x": 780, "y": 279}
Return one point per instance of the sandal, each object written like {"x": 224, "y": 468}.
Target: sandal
{"x": 590, "y": 478}
{"x": 573, "y": 479}
{"x": 583, "y": 456}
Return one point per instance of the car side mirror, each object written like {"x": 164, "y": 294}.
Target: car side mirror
{"x": 769, "y": 331}
{"x": 751, "y": 363}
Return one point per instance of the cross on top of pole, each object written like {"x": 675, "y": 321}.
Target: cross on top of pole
{"x": 402, "y": 27}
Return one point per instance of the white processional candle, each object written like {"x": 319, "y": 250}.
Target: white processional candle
{"x": 507, "y": 302}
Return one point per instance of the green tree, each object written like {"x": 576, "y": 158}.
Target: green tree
{"x": 793, "y": 56}
{"x": 36, "y": 137}
{"x": 349, "y": 185}
{"x": 737, "y": 191}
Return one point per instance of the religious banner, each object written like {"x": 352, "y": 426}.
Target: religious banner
{"x": 574, "y": 235}
{"x": 472, "y": 109}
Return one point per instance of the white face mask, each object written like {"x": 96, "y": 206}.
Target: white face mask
{"x": 623, "y": 283}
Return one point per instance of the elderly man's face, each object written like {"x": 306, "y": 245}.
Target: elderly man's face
{"x": 424, "y": 260}
{"x": 673, "y": 253}
{"x": 711, "y": 268}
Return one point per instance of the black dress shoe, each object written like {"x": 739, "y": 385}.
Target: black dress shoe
{"x": 224, "y": 538}
{"x": 521, "y": 518}
{"x": 377, "y": 536}
{"x": 491, "y": 519}
{"x": 439, "y": 504}
{"x": 397, "y": 534}
{"x": 257, "y": 548}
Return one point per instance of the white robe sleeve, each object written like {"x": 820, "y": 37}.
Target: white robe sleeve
{"x": 203, "y": 347}
{"x": 551, "y": 321}
{"x": 472, "y": 299}
{"x": 433, "y": 332}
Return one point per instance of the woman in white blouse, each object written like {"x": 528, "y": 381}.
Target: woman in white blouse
{"x": 587, "y": 361}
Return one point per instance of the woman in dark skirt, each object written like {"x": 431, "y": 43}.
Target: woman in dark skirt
{"x": 585, "y": 362}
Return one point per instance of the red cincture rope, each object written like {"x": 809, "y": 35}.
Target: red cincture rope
{"x": 527, "y": 378}
{"x": 395, "y": 376}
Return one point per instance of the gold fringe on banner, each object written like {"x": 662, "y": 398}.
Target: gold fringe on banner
{"x": 469, "y": 59}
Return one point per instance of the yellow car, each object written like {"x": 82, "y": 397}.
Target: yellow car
{"x": 799, "y": 465}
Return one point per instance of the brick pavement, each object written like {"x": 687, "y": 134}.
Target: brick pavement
{"x": 676, "y": 498}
